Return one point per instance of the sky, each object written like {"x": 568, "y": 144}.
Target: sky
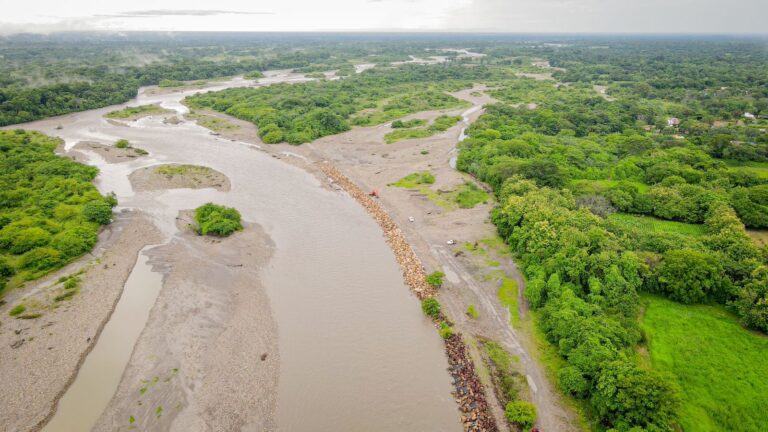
{"x": 514, "y": 16}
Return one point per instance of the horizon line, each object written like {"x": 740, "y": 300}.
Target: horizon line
{"x": 392, "y": 31}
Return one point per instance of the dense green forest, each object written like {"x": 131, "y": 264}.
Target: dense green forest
{"x": 50, "y": 212}
{"x": 601, "y": 199}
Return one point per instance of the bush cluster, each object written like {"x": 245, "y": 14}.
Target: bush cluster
{"x": 217, "y": 220}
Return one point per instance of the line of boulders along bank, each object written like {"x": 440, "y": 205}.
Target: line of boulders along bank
{"x": 469, "y": 392}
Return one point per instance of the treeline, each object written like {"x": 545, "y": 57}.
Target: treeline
{"x": 20, "y": 104}
{"x": 50, "y": 212}
{"x": 299, "y": 113}
{"x": 723, "y": 78}
{"x": 53, "y": 75}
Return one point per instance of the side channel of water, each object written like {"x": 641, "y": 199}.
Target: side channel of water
{"x": 100, "y": 374}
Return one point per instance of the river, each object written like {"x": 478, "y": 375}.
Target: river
{"x": 356, "y": 352}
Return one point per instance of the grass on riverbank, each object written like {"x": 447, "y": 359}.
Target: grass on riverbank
{"x": 507, "y": 294}
{"x": 136, "y": 112}
{"x": 467, "y": 195}
{"x": 213, "y": 123}
{"x": 719, "y": 365}
{"x": 440, "y": 124}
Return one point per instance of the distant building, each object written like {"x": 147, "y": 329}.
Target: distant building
{"x": 673, "y": 122}
{"x": 749, "y": 116}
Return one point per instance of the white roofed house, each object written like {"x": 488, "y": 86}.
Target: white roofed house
{"x": 673, "y": 122}
{"x": 749, "y": 116}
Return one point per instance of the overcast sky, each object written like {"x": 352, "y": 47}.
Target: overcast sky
{"x": 593, "y": 16}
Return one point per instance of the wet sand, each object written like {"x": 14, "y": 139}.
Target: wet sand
{"x": 109, "y": 153}
{"x": 208, "y": 357}
{"x": 178, "y": 177}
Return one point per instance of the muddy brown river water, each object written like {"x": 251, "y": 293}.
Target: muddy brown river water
{"x": 356, "y": 353}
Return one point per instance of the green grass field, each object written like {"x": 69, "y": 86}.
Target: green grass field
{"x": 720, "y": 367}
{"x": 758, "y": 168}
{"x": 648, "y": 223}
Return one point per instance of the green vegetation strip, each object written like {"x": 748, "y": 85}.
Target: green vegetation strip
{"x": 137, "y": 111}
{"x": 441, "y": 124}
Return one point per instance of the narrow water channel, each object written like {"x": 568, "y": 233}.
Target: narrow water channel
{"x": 100, "y": 374}
{"x": 463, "y": 135}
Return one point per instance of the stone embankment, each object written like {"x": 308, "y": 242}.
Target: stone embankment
{"x": 470, "y": 395}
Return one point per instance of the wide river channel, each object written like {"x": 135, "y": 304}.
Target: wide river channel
{"x": 356, "y": 353}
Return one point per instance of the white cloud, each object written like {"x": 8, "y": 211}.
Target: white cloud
{"x": 702, "y": 16}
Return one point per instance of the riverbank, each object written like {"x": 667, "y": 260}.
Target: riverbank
{"x": 41, "y": 356}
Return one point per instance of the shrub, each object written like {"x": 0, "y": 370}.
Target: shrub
{"x": 572, "y": 381}
{"x": 72, "y": 282}
{"x": 435, "y": 279}
{"x": 75, "y": 242}
{"x": 28, "y": 239}
{"x": 630, "y": 396}
{"x": 6, "y": 270}
{"x": 521, "y": 414}
{"x": 67, "y": 295}
{"x": 217, "y": 220}
{"x": 446, "y": 331}
{"x": 17, "y": 310}
{"x": 40, "y": 259}
{"x": 431, "y": 307}
{"x": 690, "y": 276}
{"x": 472, "y": 312}
{"x": 122, "y": 143}
{"x": 98, "y": 211}
{"x": 253, "y": 75}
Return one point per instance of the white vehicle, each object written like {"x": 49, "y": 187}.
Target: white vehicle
{"x": 451, "y": 242}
